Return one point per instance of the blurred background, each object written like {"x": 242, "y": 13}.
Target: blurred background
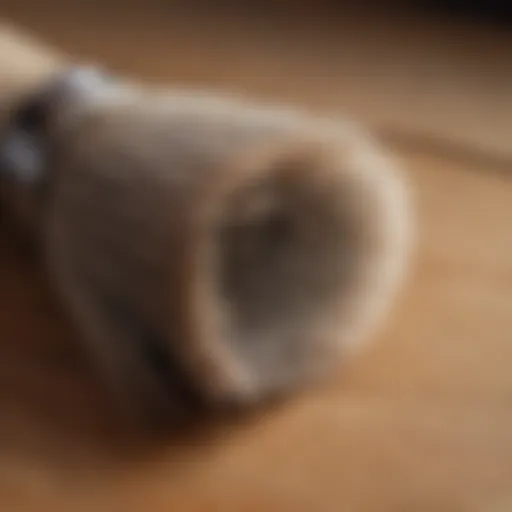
{"x": 423, "y": 422}
{"x": 437, "y": 67}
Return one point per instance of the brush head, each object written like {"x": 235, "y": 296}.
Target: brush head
{"x": 251, "y": 247}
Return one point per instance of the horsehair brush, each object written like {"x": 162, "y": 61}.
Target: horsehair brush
{"x": 210, "y": 250}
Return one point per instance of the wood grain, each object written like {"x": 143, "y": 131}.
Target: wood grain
{"x": 423, "y": 421}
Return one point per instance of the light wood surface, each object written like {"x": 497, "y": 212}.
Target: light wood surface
{"x": 423, "y": 421}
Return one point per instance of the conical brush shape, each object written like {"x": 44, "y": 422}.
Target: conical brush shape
{"x": 211, "y": 250}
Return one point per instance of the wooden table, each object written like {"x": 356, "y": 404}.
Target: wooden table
{"x": 423, "y": 421}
